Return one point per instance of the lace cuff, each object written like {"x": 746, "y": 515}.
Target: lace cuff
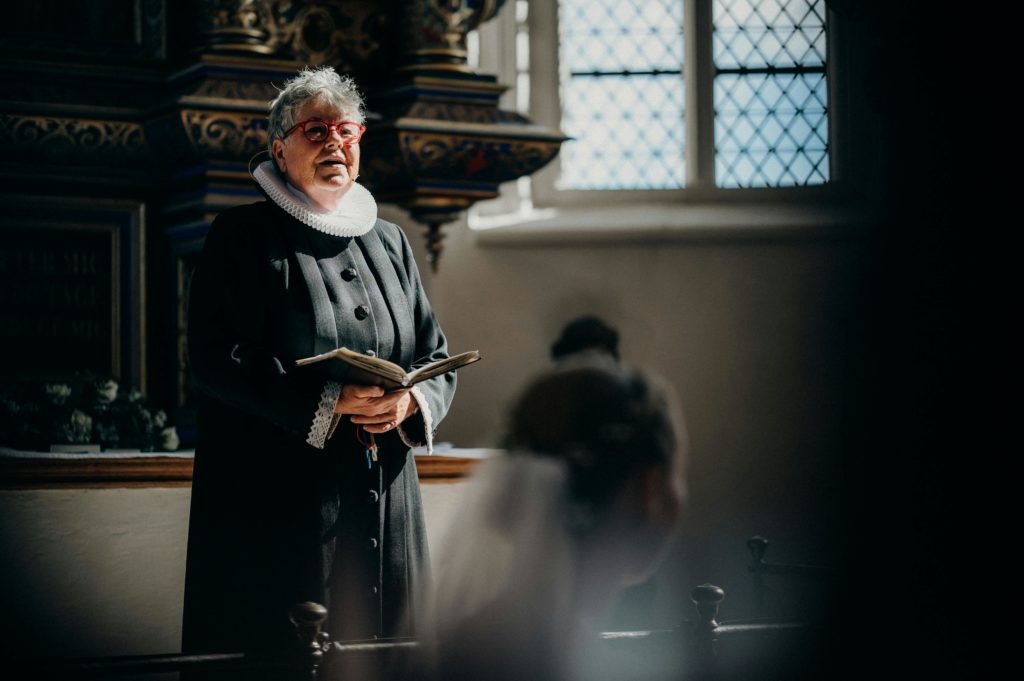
{"x": 428, "y": 422}
{"x": 325, "y": 420}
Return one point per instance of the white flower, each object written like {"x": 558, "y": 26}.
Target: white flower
{"x": 58, "y": 392}
{"x": 134, "y": 396}
{"x": 169, "y": 439}
{"x": 79, "y": 427}
{"x": 107, "y": 433}
{"x": 80, "y": 420}
{"x": 160, "y": 419}
{"x": 107, "y": 390}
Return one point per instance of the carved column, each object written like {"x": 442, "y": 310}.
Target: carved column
{"x": 434, "y": 32}
{"x": 212, "y": 122}
{"x": 443, "y": 143}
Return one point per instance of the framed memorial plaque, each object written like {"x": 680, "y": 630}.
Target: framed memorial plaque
{"x": 71, "y": 273}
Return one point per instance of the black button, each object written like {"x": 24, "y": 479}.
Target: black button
{"x": 362, "y": 312}
{"x": 348, "y": 274}
{"x": 372, "y": 543}
{"x": 371, "y": 353}
{"x": 374, "y": 497}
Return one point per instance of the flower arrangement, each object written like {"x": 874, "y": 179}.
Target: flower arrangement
{"x": 85, "y": 409}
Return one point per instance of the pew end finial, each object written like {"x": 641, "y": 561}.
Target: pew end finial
{"x": 308, "y": 619}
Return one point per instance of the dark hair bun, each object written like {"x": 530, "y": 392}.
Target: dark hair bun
{"x": 586, "y": 333}
{"x": 605, "y": 420}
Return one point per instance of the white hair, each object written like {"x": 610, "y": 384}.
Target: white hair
{"x": 322, "y": 83}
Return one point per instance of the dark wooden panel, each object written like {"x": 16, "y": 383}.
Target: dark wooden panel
{"x": 98, "y": 28}
{"x": 71, "y": 273}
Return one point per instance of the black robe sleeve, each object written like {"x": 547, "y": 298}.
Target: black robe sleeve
{"x": 228, "y": 335}
{"x": 433, "y": 396}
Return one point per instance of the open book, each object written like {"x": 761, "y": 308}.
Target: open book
{"x": 367, "y": 370}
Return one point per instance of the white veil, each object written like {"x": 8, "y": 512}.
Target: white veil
{"x": 528, "y": 564}
{"x": 505, "y": 579}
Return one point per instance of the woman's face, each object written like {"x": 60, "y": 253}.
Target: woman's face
{"x": 323, "y": 171}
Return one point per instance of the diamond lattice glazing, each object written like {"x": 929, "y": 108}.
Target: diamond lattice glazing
{"x": 771, "y": 98}
{"x": 779, "y": 33}
{"x": 622, "y": 94}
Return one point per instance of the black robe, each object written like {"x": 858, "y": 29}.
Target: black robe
{"x": 275, "y": 521}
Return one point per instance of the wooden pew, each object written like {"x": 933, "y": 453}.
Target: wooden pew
{"x": 702, "y": 649}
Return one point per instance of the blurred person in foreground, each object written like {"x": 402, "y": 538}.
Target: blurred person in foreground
{"x": 590, "y": 335}
{"x": 584, "y": 503}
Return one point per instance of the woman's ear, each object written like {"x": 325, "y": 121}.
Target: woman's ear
{"x": 662, "y": 501}
{"x": 277, "y": 149}
{"x": 654, "y": 511}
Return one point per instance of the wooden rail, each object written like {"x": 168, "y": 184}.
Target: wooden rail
{"x": 156, "y": 471}
{"x": 698, "y": 641}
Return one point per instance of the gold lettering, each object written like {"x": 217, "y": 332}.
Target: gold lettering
{"x": 81, "y": 262}
{"x": 32, "y": 330}
{"x": 86, "y": 329}
{"x": 69, "y": 295}
{"x": 71, "y": 262}
{"x": 22, "y": 294}
{"x": 36, "y": 261}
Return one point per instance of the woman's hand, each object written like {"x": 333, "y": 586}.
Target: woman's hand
{"x": 373, "y": 409}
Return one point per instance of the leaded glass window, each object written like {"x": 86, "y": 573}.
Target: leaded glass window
{"x": 622, "y": 94}
{"x": 771, "y": 103}
{"x": 759, "y": 114}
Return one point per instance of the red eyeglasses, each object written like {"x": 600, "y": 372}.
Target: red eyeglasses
{"x": 317, "y": 131}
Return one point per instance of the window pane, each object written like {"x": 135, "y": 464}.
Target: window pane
{"x": 616, "y": 36}
{"x": 622, "y": 94}
{"x": 628, "y": 132}
{"x": 780, "y": 33}
{"x": 771, "y": 130}
{"x": 771, "y": 96}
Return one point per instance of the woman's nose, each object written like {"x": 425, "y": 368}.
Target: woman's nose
{"x": 334, "y": 136}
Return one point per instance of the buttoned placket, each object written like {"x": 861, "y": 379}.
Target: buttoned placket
{"x": 363, "y": 312}
{"x": 374, "y": 538}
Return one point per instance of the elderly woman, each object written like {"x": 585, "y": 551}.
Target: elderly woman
{"x": 305, "y": 487}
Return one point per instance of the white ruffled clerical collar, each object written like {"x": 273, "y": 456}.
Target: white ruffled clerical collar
{"x": 354, "y": 216}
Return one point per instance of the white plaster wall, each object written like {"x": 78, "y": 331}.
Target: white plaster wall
{"x": 93, "y": 571}
{"x": 440, "y": 504}
{"x": 755, "y": 334}
{"x": 90, "y": 572}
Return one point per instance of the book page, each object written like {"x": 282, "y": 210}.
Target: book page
{"x": 443, "y": 366}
